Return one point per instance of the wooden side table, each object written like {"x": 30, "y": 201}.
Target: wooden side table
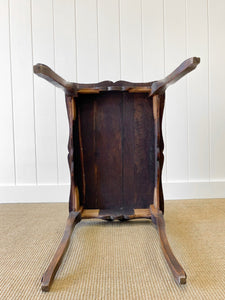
{"x": 115, "y": 155}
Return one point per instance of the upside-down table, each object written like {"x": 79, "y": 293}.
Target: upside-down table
{"x": 115, "y": 155}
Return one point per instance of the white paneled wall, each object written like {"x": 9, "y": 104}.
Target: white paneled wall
{"x": 95, "y": 40}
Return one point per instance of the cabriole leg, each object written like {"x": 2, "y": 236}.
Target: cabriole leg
{"x": 177, "y": 270}
{"x": 48, "y": 277}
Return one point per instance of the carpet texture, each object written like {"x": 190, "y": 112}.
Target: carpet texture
{"x": 113, "y": 260}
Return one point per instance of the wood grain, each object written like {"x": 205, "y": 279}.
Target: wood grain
{"x": 115, "y": 214}
{"x": 155, "y": 87}
{"x": 144, "y": 155}
{"x": 175, "y": 267}
{"x": 158, "y": 107}
{"x": 118, "y": 149}
{"x": 74, "y": 157}
{"x": 159, "y": 87}
{"x": 109, "y": 149}
{"x": 48, "y": 277}
{"x": 116, "y": 155}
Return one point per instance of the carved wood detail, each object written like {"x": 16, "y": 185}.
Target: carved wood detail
{"x": 175, "y": 267}
{"x": 158, "y": 107}
{"x": 100, "y": 127}
{"x": 48, "y": 276}
{"x": 153, "y": 88}
{"x": 116, "y": 215}
{"x": 74, "y": 202}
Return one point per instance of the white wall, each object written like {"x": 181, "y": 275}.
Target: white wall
{"x": 93, "y": 40}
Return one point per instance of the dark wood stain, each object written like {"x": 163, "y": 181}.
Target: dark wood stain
{"x": 115, "y": 154}
{"x": 128, "y": 150}
{"x": 121, "y": 169}
{"x": 108, "y": 150}
{"x": 144, "y": 155}
{"x": 87, "y": 123}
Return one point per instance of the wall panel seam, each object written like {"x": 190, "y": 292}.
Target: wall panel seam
{"x": 165, "y": 108}
{"x": 97, "y": 38}
{"x": 56, "y": 119}
{"x": 119, "y": 14}
{"x": 209, "y": 98}
{"x": 187, "y": 93}
{"x": 12, "y": 104}
{"x": 75, "y": 39}
{"x": 34, "y": 107}
{"x": 142, "y": 46}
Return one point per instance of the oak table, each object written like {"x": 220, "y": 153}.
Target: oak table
{"x": 115, "y": 155}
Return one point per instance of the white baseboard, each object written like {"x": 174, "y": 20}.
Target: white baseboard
{"x": 34, "y": 193}
{"x": 60, "y": 193}
{"x": 194, "y": 190}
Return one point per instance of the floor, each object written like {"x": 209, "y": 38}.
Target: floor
{"x": 113, "y": 260}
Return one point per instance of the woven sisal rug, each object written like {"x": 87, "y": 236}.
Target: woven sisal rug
{"x": 113, "y": 260}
